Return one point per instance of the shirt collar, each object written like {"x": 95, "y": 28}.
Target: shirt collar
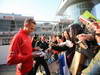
{"x": 24, "y": 31}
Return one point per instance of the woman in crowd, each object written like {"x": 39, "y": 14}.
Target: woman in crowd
{"x": 94, "y": 66}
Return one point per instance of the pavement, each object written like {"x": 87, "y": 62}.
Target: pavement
{"x": 11, "y": 70}
{"x": 7, "y": 70}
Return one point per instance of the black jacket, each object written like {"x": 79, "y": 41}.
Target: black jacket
{"x": 42, "y": 44}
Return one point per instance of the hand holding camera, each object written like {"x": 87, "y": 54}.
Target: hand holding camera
{"x": 38, "y": 53}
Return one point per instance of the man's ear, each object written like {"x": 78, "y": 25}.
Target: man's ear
{"x": 26, "y": 25}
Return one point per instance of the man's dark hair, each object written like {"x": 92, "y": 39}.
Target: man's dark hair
{"x": 29, "y": 20}
{"x": 76, "y": 29}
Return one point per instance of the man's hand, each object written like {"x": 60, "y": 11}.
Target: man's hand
{"x": 36, "y": 53}
{"x": 83, "y": 37}
{"x": 42, "y": 54}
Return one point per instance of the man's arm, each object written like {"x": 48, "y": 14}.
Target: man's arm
{"x": 15, "y": 56}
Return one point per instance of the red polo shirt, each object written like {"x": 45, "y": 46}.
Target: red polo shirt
{"x": 21, "y": 52}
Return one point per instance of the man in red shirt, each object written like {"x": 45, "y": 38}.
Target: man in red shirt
{"x": 20, "y": 50}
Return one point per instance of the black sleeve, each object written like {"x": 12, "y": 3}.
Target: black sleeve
{"x": 60, "y": 48}
{"x": 44, "y": 45}
{"x": 37, "y": 43}
{"x": 33, "y": 43}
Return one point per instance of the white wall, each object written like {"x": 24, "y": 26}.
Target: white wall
{"x": 98, "y": 11}
{"x": 3, "y": 54}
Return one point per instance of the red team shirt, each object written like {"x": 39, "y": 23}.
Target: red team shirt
{"x": 21, "y": 53}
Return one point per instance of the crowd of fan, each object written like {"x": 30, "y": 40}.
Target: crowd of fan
{"x": 84, "y": 39}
